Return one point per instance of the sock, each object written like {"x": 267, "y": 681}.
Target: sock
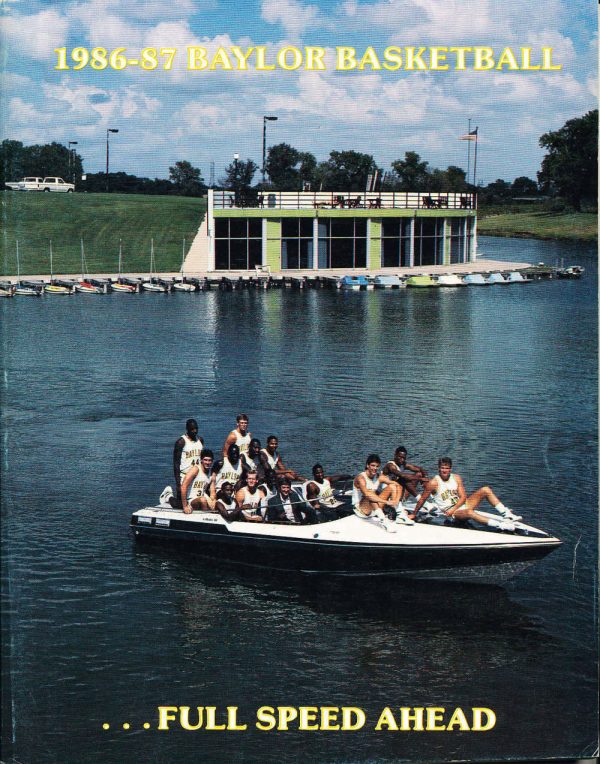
{"x": 500, "y": 507}
{"x": 493, "y": 523}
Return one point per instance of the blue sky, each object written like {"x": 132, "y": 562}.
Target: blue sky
{"x": 163, "y": 117}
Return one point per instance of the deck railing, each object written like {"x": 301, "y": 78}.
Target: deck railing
{"x": 302, "y": 200}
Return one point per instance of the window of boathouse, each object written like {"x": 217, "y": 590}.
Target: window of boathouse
{"x": 396, "y": 237}
{"x": 429, "y": 241}
{"x": 238, "y": 243}
{"x": 342, "y": 242}
{"x": 457, "y": 240}
{"x": 297, "y": 243}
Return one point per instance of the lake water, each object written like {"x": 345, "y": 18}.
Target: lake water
{"x": 99, "y": 630}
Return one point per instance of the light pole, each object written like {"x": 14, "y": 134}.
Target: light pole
{"x": 265, "y": 120}
{"x": 72, "y": 160}
{"x": 109, "y": 130}
{"x": 236, "y": 180}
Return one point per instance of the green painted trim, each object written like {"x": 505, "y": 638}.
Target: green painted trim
{"x": 375, "y": 244}
{"x": 446, "y": 252}
{"x": 267, "y": 213}
{"x": 273, "y": 245}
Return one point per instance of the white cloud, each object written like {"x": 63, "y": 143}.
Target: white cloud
{"x": 294, "y": 17}
{"x": 34, "y": 36}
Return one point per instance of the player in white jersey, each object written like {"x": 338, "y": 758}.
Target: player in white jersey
{"x": 372, "y": 492}
{"x": 198, "y": 488}
{"x": 186, "y": 454}
{"x": 251, "y": 498}
{"x": 226, "y": 505}
{"x": 240, "y": 436}
{"x": 448, "y": 493}
{"x": 320, "y": 494}
{"x": 271, "y": 461}
{"x": 230, "y": 469}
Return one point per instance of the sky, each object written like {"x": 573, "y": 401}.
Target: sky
{"x": 204, "y": 117}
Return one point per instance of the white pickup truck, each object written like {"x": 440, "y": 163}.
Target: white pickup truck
{"x": 42, "y": 184}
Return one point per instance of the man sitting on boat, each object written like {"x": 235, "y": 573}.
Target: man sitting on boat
{"x": 448, "y": 493}
{"x": 271, "y": 461}
{"x": 198, "y": 488}
{"x": 240, "y": 436}
{"x": 372, "y": 492}
{"x": 406, "y": 475}
{"x": 226, "y": 505}
{"x": 186, "y": 454}
{"x": 250, "y": 498}
{"x": 252, "y": 463}
{"x": 230, "y": 468}
{"x": 320, "y": 494}
{"x": 287, "y": 506}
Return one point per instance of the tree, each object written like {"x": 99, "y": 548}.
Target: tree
{"x": 412, "y": 173}
{"x": 570, "y": 168}
{"x": 281, "y": 167}
{"x": 238, "y": 177}
{"x": 345, "y": 171}
{"x": 17, "y": 161}
{"x": 524, "y": 186}
{"x": 187, "y": 180}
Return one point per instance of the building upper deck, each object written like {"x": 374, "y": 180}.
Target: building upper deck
{"x": 342, "y": 200}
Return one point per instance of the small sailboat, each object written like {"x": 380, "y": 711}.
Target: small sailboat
{"x": 152, "y": 284}
{"x": 119, "y": 285}
{"x": 52, "y": 287}
{"x": 183, "y": 286}
{"x": 23, "y": 288}
{"x": 84, "y": 285}
{"x": 7, "y": 289}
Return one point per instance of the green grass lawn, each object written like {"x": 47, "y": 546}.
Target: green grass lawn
{"x": 582, "y": 226}
{"x": 33, "y": 219}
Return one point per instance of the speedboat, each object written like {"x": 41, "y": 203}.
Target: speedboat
{"x": 497, "y": 278}
{"x": 450, "y": 280}
{"x": 475, "y": 279}
{"x": 388, "y": 282}
{"x": 352, "y": 545}
{"x": 574, "y": 272}
{"x": 422, "y": 281}
{"x": 354, "y": 282}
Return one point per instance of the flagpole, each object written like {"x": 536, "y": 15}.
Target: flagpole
{"x": 468, "y": 153}
{"x": 475, "y": 159}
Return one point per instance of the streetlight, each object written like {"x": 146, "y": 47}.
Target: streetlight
{"x": 109, "y": 130}
{"x": 72, "y": 160}
{"x": 265, "y": 120}
{"x": 236, "y": 180}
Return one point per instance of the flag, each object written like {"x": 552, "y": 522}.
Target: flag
{"x": 472, "y": 136}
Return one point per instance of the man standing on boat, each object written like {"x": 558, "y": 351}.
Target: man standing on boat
{"x": 320, "y": 493}
{"x": 198, "y": 488}
{"x": 448, "y": 493}
{"x": 230, "y": 468}
{"x": 186, "y": 454}
{"x": 240, "y": 436}
{"x": 373, "y": 491}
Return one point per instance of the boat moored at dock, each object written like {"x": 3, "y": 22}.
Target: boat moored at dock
{"x": 423, "y": 281}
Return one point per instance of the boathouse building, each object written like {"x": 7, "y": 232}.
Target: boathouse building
{"x": 289, "y": 231}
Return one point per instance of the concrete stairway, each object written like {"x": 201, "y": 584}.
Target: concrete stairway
{"x": 196, "y": 260}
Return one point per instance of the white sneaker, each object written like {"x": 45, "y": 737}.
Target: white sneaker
{"x": 165, "y": 496}
{"x": 506, "y": 525}
{"x": 508, "y": 514}
{"x": 402, "y": 518}
{"x": 382, "y": 521}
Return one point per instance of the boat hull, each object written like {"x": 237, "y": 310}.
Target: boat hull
{"x": 348, "y": 547}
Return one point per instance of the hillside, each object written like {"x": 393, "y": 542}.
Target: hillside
{"x": 101, "y": 220}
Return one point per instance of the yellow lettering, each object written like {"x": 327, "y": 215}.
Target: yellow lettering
{"x": 166, "y": 714}
{"x": 241, "y": 57}
{"x": 393, "y": 54}
{"x": 411, "y": 716}
{"x": 196, "y": 58}
{"x": 329, "y": 718}
{"x": 314, "y": 58}
{"x": 232, "y": 719}
{"x": 211, "y": 723}
{"x": 346, "y": 59}
{"x": 413, "y": 58}
{"x": 220, "y": 59}
{"x": 282, "y": 58}
{"x": 479, "y": 725}
{"x": 184, "y": 718}
{"x": 387, "y": 717}
{"x": 261, "y": 66}
{"x": 458, "y": 719}
{"x": 308, "y": 714}
{"x": 353, "y": 718}
{"x": 369, "y": 59}
{"x": 483, "y": 59}
{"x": 435, "y": 715}
{"x": 286, "y": 715}
{"x": 265, "y": 718}
{"x": 507, "y": 57}
{"x": 526, "y": 65}
{"x": 436, "y": 58}
{"x": 460, "y": 58}
{"x": 547, "y": 61}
